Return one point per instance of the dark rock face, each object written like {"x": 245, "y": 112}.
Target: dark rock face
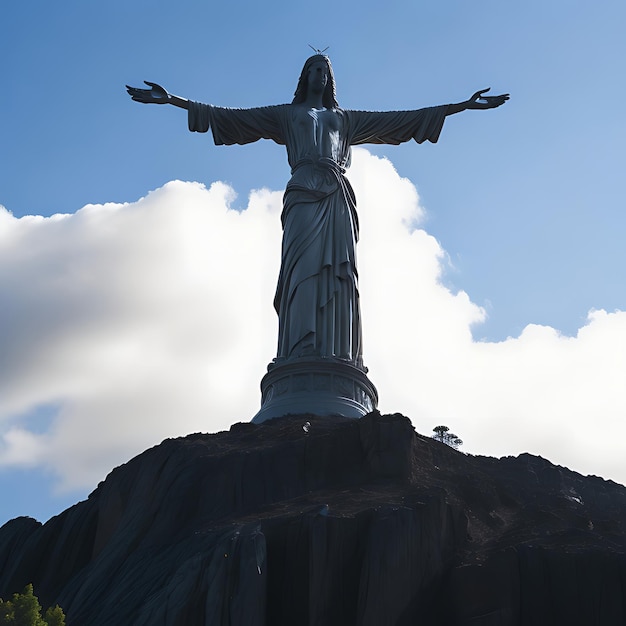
{"x": 353, "y": 522}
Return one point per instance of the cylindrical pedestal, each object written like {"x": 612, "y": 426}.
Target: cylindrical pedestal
{"x": 319, "y": 386}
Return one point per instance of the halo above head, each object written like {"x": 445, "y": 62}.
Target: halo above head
{"x": 318, "y": 51}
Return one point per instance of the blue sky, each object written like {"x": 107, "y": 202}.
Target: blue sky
{"x": 520, "y": 213}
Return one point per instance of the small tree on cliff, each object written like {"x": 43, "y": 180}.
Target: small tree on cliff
{"x": 443, "y": 434}
{"x": 24, "y": 610}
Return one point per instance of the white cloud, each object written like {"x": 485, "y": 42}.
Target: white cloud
{"x": 154, "y": 319}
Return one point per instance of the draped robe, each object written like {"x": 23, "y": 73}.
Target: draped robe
{"x": 317, "y": 297}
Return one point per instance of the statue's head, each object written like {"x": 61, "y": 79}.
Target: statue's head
{"x": 329, "y": 98}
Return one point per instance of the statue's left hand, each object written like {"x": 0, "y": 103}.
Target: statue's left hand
{"x": 155, "y": 95}
{"x": 478, "y": 101}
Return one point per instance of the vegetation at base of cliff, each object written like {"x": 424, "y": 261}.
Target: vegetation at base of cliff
{"x": 24, "y": 610}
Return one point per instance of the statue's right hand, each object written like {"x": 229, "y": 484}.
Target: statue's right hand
{"x": 155, "y": 95}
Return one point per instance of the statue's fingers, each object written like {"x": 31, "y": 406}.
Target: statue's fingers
{"x": 137, "y": 90}
{"x": 142, "y": 96}
{"x": 154, "y": 86}
{"x": 479, "y": 94}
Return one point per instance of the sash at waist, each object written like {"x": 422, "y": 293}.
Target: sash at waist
{"x": 313, "y": 180}
{"x": 322, "y": 162}
{"x": 316, "y": 178}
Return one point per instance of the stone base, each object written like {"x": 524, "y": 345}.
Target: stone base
{"x": 317, "y": 386}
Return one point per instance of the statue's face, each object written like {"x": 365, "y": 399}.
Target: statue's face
{"x": 318, "y": 77}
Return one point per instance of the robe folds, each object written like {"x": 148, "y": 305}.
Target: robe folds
{"x": 317, "y": 297}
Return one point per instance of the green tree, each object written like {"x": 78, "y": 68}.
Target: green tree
{"x": 54, "y": 616}
{"x": 24, "y": 610}
{"x": 443, "y": 434}
{"x": 6, "y": 612}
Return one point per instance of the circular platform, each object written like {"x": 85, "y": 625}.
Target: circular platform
{"x": 319, "y": 386}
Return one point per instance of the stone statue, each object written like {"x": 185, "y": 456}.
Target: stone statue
{"x": 317, "y": 298}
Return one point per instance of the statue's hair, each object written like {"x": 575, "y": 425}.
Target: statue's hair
{"x": 329, "y": 97}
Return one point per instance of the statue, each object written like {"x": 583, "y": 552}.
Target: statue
{"x": 317, "y": 297}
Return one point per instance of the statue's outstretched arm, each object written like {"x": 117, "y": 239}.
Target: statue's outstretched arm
{"x": 156, "y": 95}
{"x": 478, "y": 101}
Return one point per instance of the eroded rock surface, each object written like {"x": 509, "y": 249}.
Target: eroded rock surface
{"x": 353, "y": 522}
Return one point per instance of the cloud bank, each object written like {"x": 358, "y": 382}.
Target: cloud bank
{"x": 124, "y": 324}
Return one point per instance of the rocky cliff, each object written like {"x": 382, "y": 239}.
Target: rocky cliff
{"x": 340, "y": 523}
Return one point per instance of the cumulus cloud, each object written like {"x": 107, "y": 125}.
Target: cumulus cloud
{"x": 153, "y": 319}
{"x": 137, "y": 321}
